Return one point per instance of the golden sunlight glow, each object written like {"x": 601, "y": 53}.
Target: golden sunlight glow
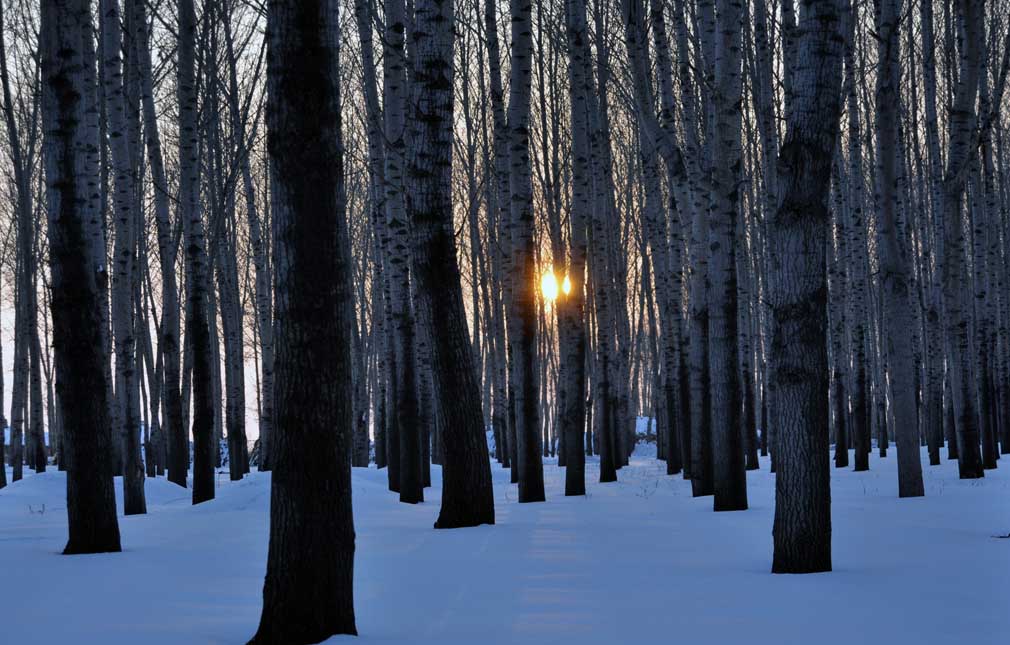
{"x": 566, "y": 286}
{"x": 549, "y": 286}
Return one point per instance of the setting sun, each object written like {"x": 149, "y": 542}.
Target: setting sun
{"x": 549, "y": 286}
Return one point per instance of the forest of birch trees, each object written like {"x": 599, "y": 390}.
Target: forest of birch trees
{"x": 306, "y": 236}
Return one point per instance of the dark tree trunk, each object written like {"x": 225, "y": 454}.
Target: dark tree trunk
{"x": 750, "y": 419}
{"x": 307, "y": 596}
{"x": 127, "y": 389}
{"x": 798, "y": 296}
{"x": 176, "y": 437}
{"x": 572, "y": 304}
{"x": 467, "y": 496}
{"x": 69, "y": 102}
{"x": 523, "y": 316}
{"x": 728, "y": 465}
{"x": 197, "y": 267}
{"x": 963, "y": 390}
{"x": 841, "y": 437}
{"x": 39, "y": 456}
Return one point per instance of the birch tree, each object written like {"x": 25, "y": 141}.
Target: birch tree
{"x": 572, "y": 304}
{"x": 955, "y": 275}
{"x": 128, "y": 390}
{"x": 857, "y": 260}
{"x": 797, "y": 236}
{"x": 22, "y": 150}
{"x": 893, "y": 252}
{"x": 523, "y": 317}
{"x": 70, "y": 132}
{"x": 467, "y": 496}
{"x": 169, "y": 337}
{"x": 403, "y": 436}
{"x": 729, "y": 476}
{"x": 197, "y": 266}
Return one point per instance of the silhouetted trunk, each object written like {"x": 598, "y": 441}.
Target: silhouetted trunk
{"x": 38, "y": 456}
{"x": 308, "y": 593}
{"x": 728, "y": 466}
{"x": 197, "y": 266}
{"x": 499, "y": 214}
{"x": 572, "y": 303}
{"x": 467, "y": 496}
{"x": 69, "y": 112}
{"x": 523, "y": 318}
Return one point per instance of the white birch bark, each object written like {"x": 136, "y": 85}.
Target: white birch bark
{"x": 957, "y": 311}
{"x": 893, "y": 253}
{"x": 128, "y": 392}
{"x": 858, "y": 265}
{"x": 404, "y": 435}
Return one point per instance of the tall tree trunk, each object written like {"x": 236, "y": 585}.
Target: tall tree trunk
{"x": 39, "y": 456}
{"x": 197, "y": 265}
{"x": 729, "y": 469}
{"x": 572, "y": 303}
{"x": 100, "y": 240}
{"x": 307, "y": 596}
{"x": 837, "y": 274}
{"x": 259, "y": 247}
{"x": 15, "y": 145}
{"x": 798, "y": 296}
{"x": 69, "y": 102}
{"x": 893, "y": 254}
{"x": 23, "y": 259}
{"x": 404, "y": 431}
{"x": 933, "y": 398}
{"x": 668, "y": 261}
{"x": 234, "y": 355}
{"x": 523, "y": 320}
{"x": 128, "y": 392}
{"x": 467, "y": 496}
{"x": 499, "y": 212}
{"x": 377, "y": 214}
{"x": 857, "y": 263}
{"x": 765, "y": 106}
{"x": 169, "y": 347}
{"x": 19, "y": 387}
{"x": 957, "y": 307}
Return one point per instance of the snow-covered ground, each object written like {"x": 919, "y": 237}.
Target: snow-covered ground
{"x": 638, "y": 561}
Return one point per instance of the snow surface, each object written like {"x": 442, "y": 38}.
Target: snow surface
{"x": 638, "y": 561}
